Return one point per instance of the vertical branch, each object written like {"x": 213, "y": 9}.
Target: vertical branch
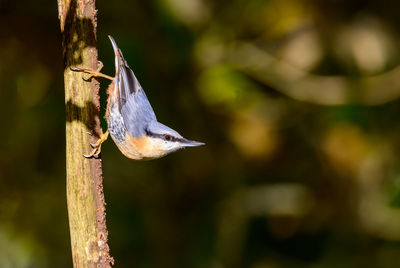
{"x": 85, "y": 198}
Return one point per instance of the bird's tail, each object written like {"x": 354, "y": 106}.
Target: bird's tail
{"x": 119, "y": 58}
{"x": 125, "y": 79}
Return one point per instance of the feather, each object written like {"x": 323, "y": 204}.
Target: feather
{"x": 133, "y": 104}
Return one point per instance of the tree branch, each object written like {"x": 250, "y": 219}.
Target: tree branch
{"x": 85, "y": 198}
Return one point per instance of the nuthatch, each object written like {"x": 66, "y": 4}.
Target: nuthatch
{"x": 131, "y": 120}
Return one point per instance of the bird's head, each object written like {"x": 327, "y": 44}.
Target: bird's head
{"x": 167, "y": 140}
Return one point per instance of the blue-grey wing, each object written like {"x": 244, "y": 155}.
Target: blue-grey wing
{"x": 137, "y": 113}
{"x": 134, "y": 106}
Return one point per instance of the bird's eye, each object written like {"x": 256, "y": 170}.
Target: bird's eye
{"x": 168, "y": 137}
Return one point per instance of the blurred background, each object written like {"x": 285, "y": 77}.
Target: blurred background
{"x": 297, "y": 101}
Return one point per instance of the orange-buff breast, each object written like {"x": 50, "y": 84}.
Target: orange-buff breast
{"x": 142, "y": 148}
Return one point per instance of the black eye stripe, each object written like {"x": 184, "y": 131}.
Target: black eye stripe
{"x": 169, "y": 137}
{"x": 165, "y": 137}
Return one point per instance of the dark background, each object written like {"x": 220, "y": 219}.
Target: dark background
{"x": 297, "y": 101}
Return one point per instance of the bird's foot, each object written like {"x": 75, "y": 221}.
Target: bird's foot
{"x": 92, "y": 73}
{"x": 97, "y": 146}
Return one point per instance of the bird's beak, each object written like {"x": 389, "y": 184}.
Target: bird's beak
{"x": 189, "y": 143}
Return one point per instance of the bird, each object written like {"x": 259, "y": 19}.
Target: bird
{"x": 131, "y": 120}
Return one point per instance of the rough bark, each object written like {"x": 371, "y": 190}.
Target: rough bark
{"x": 85, "y": 198}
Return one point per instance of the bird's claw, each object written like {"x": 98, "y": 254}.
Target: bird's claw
{"x": 93, "y": 145}
{"x": 92, "y": 73}
{"x": 90, "y": 155}
{"x": 87, "y": 79}
{"x": 97, "y": 146}
{"x": 101, "y": 65}
{"x": 77, "y": 69}
{"x": 84, "y": 70}
{"x": 95, "y": 153}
